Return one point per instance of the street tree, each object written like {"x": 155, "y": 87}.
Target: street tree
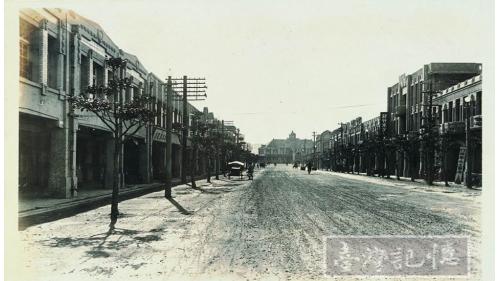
{"x": 123, "y": 117}
{"x": 198, "y": 130}
{"x": 202, "y": 141}
{"x": 209, "y": 142}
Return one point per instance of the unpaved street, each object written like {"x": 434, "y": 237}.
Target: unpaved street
{"x": 271, "y": 228}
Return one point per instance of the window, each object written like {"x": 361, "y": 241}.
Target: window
{"x": 97, "y": 74}
{"x": 84, "y": 74}
{"x": 478, "y": 103}
{"x": 24, "y": 58}
{"x": 52, "y": 65}
{"x": 136, "y": 92}
{"x": 110, "y": 76}
{"x": 155, "y": 110}
{"x": 26, "y": 50}
{"x": 129, "y": 94}
{"x": 450, "y": 111}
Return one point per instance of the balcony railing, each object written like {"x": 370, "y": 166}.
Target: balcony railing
{"x": 452, "y": 128}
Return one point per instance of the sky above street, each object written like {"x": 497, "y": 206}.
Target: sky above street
{"x": 277, "y": 66}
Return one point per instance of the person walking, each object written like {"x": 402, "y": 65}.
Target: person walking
{"x": 250, "y": 171}
{"x": 309, "y": 167}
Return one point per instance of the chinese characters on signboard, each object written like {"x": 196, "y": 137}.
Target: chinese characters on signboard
{"x": 383, "y": 123}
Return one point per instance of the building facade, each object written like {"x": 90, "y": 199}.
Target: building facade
{"x": 459, "y": 118}
{"x": 288, "y": 150}
{"x": 410, "y": 104}
{"x": 324, "y": 150}
{"x": 62, "y": 150}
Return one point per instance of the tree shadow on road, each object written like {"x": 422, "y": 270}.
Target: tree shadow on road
{"x": 100, "y": 243}
{"x": 179, "y": 207}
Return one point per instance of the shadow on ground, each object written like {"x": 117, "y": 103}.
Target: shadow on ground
{"x": 179, "y": 207}
{"x": 101, "y": 243}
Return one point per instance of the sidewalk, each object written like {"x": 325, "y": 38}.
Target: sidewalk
{"x": 418, "y": 184}
{"x": 38, "y": 210}
{"x": 154, "y": 238}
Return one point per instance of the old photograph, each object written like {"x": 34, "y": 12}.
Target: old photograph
{"x": 249, "y": 140}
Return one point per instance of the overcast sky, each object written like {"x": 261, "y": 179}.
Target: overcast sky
{"x": 294, "y": 65}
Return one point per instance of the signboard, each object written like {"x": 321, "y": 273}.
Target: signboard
{"x": 159, "y": 135}
{"x": 383, "y": 122}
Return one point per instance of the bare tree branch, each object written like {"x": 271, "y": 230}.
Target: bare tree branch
{"x": 134, "y": 132}
{"x": 103, "y": 119}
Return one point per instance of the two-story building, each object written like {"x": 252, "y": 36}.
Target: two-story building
{"x": 459, "y": 115}
{"x": 408, "y": 102}
{"x": 63, "y": 150}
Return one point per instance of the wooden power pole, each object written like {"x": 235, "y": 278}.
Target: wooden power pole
{"x": 193, "y": 89}
{"x": 168, "y": 141}
{"x": 314, "y": 149}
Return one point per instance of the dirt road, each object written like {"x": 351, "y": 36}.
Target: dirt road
{"x": 271, "y": 228}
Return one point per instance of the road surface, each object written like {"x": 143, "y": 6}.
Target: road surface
{"x": 271, "y": 228}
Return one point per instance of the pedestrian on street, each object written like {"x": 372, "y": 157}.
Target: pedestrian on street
{"x": 250, "y": 171}
{"x": 309, "y": 167}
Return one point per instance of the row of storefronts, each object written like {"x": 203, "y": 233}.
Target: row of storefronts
{"x": 432, "y": 125}
{"x": 63, "y": 151}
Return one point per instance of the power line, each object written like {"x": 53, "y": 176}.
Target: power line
{"x": 300, "y": 111}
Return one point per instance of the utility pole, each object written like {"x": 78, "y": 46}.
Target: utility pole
{"x": 430, "y": 121}
{"x": 192, "y": 89}
{"x": 303, "y": 155}
{"x": 168, "y": 141}
{"x": 429, "y": 136}
{"x": 468, "y": 154}
{"x": 314, "y": 149}
{"x": 237, "y": 144}
{"x": 217, "y": 150}
{"x": 341, "y": 150}
{"x": 185, "y": 124}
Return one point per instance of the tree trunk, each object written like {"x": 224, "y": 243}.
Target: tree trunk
{"x": 208, "y": 168}
{"x": 443, "y": 165}
{"x": 217, "y": 163}
{"x": 398, "y": 163}
{"x": 116, "y": 181}
{"x": 191, "y": 168}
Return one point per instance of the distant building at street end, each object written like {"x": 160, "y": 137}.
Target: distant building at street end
{"x": 288, "y": 150}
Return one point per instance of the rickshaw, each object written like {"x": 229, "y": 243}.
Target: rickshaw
{"x": 235, "y": 169}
